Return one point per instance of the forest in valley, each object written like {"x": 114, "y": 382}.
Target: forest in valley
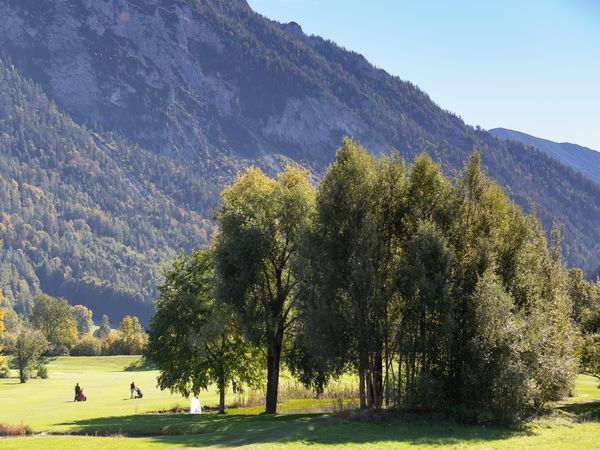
{"x": 426, "y": 288}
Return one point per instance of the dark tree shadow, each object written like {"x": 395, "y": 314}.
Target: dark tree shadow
{"x": 583, "y": 412}
{"x": 316, "y": 429}
{"x": 140, "y": 365}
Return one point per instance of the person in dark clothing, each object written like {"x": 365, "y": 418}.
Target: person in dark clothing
{"x": 139, "y": 392}
{"x": 77, "y": 391}
{"x": 132, "y": 389}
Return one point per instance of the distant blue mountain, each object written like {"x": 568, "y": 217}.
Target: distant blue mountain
{"x": 582, "y": 159}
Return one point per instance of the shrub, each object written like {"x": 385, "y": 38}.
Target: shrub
{"x": 4, "y": 369}
{"x": 42, "y": 372}
{"x": 87, "y": 346}
{"x": 110, "y": 344}
{"x": 7, "y": 429}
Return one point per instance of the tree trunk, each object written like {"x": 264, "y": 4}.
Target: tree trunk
{"x": 377, "y": 380}
{"x": 221, "y": 394}
{"x": 398, "y": 401}
{"x": 386, "y": 382}
{"x": 319, "y": 392}
{"x": 369, "y": 390}
{"x": 273, "y": 362}
{"x": 21, "y": 363}
{"x": 361, "y": 382}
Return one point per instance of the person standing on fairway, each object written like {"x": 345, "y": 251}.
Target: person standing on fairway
{"x": 132, "y": 389}
{"x": 77, "y": 391}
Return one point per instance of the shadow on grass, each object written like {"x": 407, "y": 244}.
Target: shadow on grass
{"x": 583, "y": 412}
{"x": 140, "y": 365}
{"x": 318, "y": 429}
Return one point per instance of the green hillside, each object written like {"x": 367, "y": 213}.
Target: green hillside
{"x": 86, "y": 215}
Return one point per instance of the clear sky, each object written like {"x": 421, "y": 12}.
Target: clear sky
{"x": 528, "y": 65}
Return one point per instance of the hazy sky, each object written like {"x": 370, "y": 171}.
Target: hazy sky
{"x": 529, "y": 65}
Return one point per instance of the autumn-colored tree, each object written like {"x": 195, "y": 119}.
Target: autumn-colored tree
{"x": 262, "y": 221}
{"x": 54, "y": 318}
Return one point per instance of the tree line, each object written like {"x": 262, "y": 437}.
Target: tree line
{"x": 438, "y": 293}
{"x": 54, "y": 328}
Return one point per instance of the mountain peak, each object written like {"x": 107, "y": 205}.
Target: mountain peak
{"x": 294, "y": 29}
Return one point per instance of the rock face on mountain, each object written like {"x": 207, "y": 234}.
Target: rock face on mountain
{"x": 582, "y": 159}
{"x": 184, "y": 78}
{"x": 209, "y": 86}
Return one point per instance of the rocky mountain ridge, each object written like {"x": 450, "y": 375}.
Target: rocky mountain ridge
{"x": 582, "y": 159}
{"x": 206, "y": 87}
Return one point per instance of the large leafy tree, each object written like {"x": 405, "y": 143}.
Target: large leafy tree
{"x": 427, "y": 326}
{"x": 586, "y": 312}
{"x": 344, "y": 305}
{"x": 262, "y": 221}
{"x": 104, "y": 329}
{"x": 26, "y": 346}
{"x": 54, "y": 318}
{"x": 83, "y": 319}
{"x": 195, "y": 340}
{"x": 132, "y": 337}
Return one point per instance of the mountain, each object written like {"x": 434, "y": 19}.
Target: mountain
{"x": 582, "y": 159}
{"x": 130, "y": 115}
{"x": 83, "y": 214}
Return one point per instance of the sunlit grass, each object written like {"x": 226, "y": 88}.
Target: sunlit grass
{"x": 46, "y": 405}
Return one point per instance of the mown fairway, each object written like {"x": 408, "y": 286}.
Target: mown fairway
{"x": 47, "y": 406}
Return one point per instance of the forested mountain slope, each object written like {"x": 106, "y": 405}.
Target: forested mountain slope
{"x": 582, "y": 159}
{"x": 85, "y": 215}
{"x": 206, "y": 80}
{"x": 207, "y": 87}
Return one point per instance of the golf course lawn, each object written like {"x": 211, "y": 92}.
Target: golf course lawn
{"x": 47, "y": 406}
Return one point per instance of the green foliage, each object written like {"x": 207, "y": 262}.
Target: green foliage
{"x": 586, "y": 313}
{"x": 132, "y": 338}
{"x": 54, "y": 318}
{"x": 448, "y": 282}
{"x": 87, "y": 216}
{"x": 83, "y": 319}
{"x": 498, "y": 369}
{"x": 590, "y": 355}
{"x": 41, "y": 371}
{"x": 262, "y": 221}
{"x": 87, "y": 346}
{"x": 26, "y": 346}
{"x": 342, "y": 306}
{"x": 104, "y": 329}
{"x": 194, "y": 340}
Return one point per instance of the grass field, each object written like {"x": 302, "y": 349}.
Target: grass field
{"x": 47, "y": 406}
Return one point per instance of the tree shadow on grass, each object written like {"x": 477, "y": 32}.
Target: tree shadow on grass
{"x": 583, "y": 412}
{"x": 140, "y": 365}
{"x": 317, "y": 429}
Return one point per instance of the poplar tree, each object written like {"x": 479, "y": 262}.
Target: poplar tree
{"x": 261, "y": 223}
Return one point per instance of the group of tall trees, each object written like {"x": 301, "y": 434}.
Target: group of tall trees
{"x": 438, "y": 293}
{"x": 586, "y": 312}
